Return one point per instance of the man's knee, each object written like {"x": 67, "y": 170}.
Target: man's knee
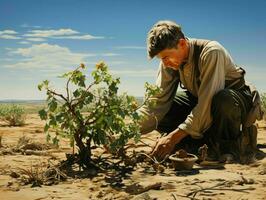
{"x": 225, "y": 103}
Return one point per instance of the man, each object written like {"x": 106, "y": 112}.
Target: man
{"x": 215, "y": 103}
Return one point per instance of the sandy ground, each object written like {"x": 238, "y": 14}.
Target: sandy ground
{"x": 237, "y": 181}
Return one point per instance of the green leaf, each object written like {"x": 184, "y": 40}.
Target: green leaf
{"x": 78, "y": 78}
{"x": 88, "y": 98}
{"x": 48, "y": 137}
{"x": 68, "y": 74}
{"x": 55, "y": 141}
{"x": 46, "y": 83}
{"x": 43, "y": 114}
{"x": 100, "y": 119}
{"x": 40, "y": 86}
{"x": 52, "y": 121}
{"x": 96, "y": 77}
{"x": 76, "y": 93}
{"x": 52, "y": 105}
{"x": 59, "y": 117}
{"x": 46, "y": 127}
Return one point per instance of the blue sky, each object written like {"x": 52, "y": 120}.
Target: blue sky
{"x": 42, "y": 39}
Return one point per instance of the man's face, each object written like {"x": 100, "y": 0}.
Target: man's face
{"x": 174, "y": 57}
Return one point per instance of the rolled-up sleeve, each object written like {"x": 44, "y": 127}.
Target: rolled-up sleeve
{"x": 167, "y": 80}
{"x": 212, "y": 78}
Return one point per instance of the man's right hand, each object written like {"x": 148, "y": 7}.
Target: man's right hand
{"x": 165, "y": 145}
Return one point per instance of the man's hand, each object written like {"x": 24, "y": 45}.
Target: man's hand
{"x": 166, "y": 145}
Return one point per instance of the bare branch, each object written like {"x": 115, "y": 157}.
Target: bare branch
{"x": 57, "y": 94}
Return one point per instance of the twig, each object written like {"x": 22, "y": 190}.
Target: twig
{"x": 233, "y": 189}
{"x": 152, "y": 159}
{"x": 174, "y": 195}
{"x": 208, "y": 188}
{"x": 146, "y": 144}
{"x": 194, "y": 193}
{"x": 138, "y": 189}
{"x": 57, "y": 94}
{"x": 144, "y": 137}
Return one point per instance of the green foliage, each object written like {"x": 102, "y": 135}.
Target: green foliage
{"x": 110, "y": 119}
{"x": 13, "y": 114}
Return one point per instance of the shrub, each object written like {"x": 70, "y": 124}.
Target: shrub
{"x": 13, "y": 114}
{"x": 103, "y": 123}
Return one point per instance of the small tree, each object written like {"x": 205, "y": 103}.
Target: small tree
{"x": 103, "y": 123}
{"x": 13, "y": 114}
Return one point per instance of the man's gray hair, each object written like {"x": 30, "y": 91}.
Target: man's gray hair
{"x": 163, "y": 35}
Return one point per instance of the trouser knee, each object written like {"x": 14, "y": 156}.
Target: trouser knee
{"x": 225, "y": 104}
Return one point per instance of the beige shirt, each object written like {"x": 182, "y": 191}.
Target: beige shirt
{"x": 215, "y": 66}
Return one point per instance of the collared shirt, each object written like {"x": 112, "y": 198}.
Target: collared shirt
{"x": 215, "y": 66}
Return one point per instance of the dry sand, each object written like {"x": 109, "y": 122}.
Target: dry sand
{"x": 172, "y": 186}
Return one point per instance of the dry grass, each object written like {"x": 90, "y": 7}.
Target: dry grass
{"x": 34, "y": 175}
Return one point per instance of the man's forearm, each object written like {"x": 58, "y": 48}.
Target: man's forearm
{"x": 177, "y": 135}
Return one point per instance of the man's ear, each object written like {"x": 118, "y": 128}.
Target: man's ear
{"x": 181, "y": 43}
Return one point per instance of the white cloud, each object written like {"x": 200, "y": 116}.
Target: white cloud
{"x": 24, "y": 42}
{"x": 50, "y": 58}
{"x": 45, "y": 56}
{"x": 50, "y": 33}
{"x": 60, "y": 34}
{"x": 36, "y": 39}
{"x": 11, "y": 32}
{"x": 110, "y": 54}
{"x": 80, "y": 37}
{"x": 9, "y": 35}
{"x": 42, "y": 35}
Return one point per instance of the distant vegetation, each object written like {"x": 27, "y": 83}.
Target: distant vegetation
{"x": 33, "y": 106}
{"x": 13, "y": 114}
{"x": 30, "y": 106}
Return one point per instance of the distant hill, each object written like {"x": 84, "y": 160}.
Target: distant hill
{"x": 15, "y": 101}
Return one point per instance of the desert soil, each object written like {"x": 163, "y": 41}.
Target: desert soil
{"x": 236, "y": 181}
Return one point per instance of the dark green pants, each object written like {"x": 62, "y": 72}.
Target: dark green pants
{"x": 229, "y": 109}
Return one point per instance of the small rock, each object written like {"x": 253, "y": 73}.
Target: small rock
{"x": 100, "y": 194}
{"x": 9, "y": 183}
{"x": 144, "y": 196}
{"x": 14, "y": 174}
{"x": 104, "y": 185}
{"x": 245, "y": 181}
